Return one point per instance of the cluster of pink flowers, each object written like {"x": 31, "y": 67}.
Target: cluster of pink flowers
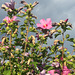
{"x": 9, "y": 20}
{"x": 45, "y": 24}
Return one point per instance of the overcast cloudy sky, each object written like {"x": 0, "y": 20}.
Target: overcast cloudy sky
{"x": 55, "y": 9}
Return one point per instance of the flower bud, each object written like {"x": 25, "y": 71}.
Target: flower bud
{"x": 66, "y": 20}
{"x": 73, "y": 45}
{"x": 13, "y": 35}
{"x": 30, "y": 17}
{"x": 59, "y": 31}
{"x": 3, "y": 49}
{"x": 65, "y": 49}
{"x": 68, "y": 53}
{"x": 22, "y": 33}
{"x": 7, "y": 28}
{"x": 27, "y": 17}
{"x": 74, "y": 41}
{"x": 25, "y": 21}
{"x": 67, "y": 36}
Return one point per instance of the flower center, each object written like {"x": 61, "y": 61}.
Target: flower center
{"x": 45, "y": 25}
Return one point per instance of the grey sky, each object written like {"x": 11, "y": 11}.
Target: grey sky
{"x": 55, "y": 9}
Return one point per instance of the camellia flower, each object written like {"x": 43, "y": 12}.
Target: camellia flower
{"x": 10, "y": 5}
{"x": 45, "y": 24}
{"x": 9, "y": 20}
{"x": 65, "y": 71}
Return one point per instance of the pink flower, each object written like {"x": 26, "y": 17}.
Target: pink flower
{"x": 9, "y": 20}
{"x": 45, "y": 24}
{"x": 61, "y": 58}
{"x": 25, "y": 10}
{"x": 6, "y": 47}
{"x": 0, "y": 42}
{"x": 56, "y": 74}
{"x": 10, "y": 5}
{"x": 58, "y": 71}
{"x": 65, "y": 71}
{"x": 51, "y": 72}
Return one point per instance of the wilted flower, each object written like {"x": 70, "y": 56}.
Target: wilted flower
{"x": 45, "y": 24}
{"x": 10, "y": 5}
{"x": 26, "y": 54}
{"x": 37, "y": 36}
{"x": 2, "y": 61}
{"x": 29, "y": 73}
{"x": 61, "y": 48}
{"x": 55, "y": 64}
{"x": 42, "y": 72}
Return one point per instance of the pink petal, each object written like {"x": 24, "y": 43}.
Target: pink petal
{"x": 14, "y": 18}
{"x": 48, "y": 21}
{"x": 49, "y": 27}
{"x": 56, "y": 74}
{"x": 7, "y": 19}
{"x": 51, "y": 72}
{"x": 42, "y": 21}
{"x": 38, "y": 25}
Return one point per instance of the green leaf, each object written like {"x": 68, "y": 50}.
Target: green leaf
{"x": 1, "y": 67}
{"x": 74, "y": 65}
{"x": 56, "y": 35}
{"x": 50, "y": 68}
{"x": 34, "y": 63}
{"x": 71, "y": 39}
{"x": 68, "y": 28}
{"x": 67, "y": 36}
{"x": 7, "y": 72}
{"x": 69, "y": 62}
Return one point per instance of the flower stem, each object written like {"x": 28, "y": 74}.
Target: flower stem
{"x": 62, "y": 49}
{"x": 25, "y": 43}
{"x": 72, "y": 51}
{"x": 10, "y": 52}
{"x": 26, "y": 39}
